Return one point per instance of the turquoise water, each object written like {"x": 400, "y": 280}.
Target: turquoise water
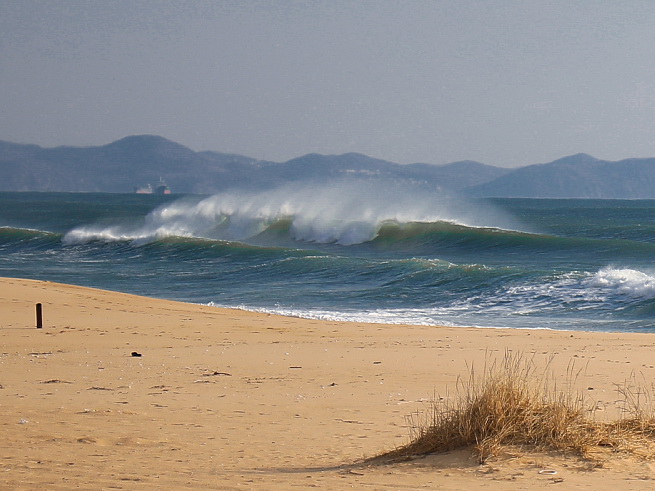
{"x": 366, "y": 254}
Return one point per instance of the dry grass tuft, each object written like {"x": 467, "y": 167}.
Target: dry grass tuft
{"x": 510, "y": 405}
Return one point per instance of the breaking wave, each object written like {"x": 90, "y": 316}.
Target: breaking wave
{"x": 343, "y": 213}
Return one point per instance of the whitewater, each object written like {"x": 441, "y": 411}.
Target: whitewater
{"x": 348, "y": 250}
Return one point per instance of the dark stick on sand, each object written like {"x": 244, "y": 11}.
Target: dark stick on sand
{"x": 39, "y": 316}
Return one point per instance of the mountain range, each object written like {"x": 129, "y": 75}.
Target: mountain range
{"x": 135, "y": 161}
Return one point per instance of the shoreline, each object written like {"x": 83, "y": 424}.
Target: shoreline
{"x": 234, "y": 399}
{"x": 327, "y": 318}
{"x": 372, "y": 322}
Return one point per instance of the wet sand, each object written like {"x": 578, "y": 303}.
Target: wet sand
{"x": 227, "y": 399}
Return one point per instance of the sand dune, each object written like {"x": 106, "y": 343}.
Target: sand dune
{"x": 225, "y": 399}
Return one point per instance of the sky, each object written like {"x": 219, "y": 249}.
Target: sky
{"x": 503, "y": 82}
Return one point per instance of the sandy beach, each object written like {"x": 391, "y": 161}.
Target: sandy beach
{"x": 227, "y": 399}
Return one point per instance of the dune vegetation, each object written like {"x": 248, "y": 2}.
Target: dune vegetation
{"x": 511, "y": 405}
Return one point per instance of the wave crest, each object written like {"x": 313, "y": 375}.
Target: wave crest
{"x": 338, "y": 212}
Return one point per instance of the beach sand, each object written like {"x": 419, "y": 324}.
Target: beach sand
{"x": 227, "y": 399}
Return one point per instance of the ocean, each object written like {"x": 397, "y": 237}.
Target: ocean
{"x": 351, "y": 251}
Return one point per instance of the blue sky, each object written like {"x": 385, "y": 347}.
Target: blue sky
{"x": 504, "y": 82}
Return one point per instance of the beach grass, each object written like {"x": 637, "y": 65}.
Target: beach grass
{"x": 509, "y": 404}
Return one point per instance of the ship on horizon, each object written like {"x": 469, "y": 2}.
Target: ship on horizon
{"x": 161, "y": 188}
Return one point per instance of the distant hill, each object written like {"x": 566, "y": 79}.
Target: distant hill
{"x": 118, "y": 167}
{"x": 137, "y": 161}
{"x": 576, "y": 176}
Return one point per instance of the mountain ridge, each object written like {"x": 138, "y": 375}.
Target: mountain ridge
{"x": 137, "y": 160}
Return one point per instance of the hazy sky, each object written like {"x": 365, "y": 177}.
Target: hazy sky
{"x": 503, "y": 82}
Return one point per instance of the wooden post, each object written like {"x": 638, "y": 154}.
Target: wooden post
{"x": 39, "y": 316}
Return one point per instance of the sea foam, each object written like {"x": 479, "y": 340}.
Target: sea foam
{"x": 624, "y": 281}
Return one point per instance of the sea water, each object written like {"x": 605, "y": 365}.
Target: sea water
{"x": 351, "y": 252}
